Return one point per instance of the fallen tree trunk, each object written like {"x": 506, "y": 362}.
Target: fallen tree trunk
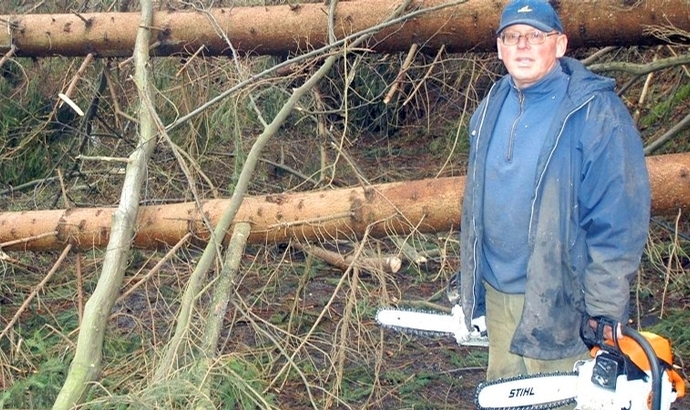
{"x": 290, "y": 28}
{"x": 429, "y": 205}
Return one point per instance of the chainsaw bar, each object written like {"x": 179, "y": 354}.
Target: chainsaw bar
{"x": 422, "y": 323}
{"x": 539, "y": 391}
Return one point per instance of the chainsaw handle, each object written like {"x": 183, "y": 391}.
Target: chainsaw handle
{"x": 653, "y": 361}
{"x": 595, "y": 336}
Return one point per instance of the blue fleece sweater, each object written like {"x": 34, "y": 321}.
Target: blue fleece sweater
{"x": 511, "y": 167}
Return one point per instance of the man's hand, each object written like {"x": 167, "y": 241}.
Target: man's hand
{"x": 462, "y": 333}
{"x": 607, "y": 331}
{"x": 479, "y": 325}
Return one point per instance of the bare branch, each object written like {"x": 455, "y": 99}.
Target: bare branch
{"x": 86, "y": 365}
{"x": 641, "y": 69}
{"x": 668, "y": 135}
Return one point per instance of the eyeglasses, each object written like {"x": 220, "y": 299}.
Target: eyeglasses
{"x": 535, "y": 38}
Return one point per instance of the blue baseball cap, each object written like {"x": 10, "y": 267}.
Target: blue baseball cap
{"x": 536, "y": 13}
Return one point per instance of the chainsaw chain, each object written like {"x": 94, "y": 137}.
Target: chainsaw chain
{"x": 416, "y": 332}
{"x": 546, "y": 406}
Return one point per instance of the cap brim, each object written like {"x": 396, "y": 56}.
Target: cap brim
{"x": 534, "y": 23}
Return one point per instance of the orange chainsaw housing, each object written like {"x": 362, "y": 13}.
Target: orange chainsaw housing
{"x": 662, "y": 348}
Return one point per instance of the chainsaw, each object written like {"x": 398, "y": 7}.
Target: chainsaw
{"x": 425, "y": 323}
{"x": 633, "y": 372}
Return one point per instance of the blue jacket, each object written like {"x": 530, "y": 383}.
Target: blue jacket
{"x": 588, "y": 220}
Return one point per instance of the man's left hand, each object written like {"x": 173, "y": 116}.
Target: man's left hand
{"x": 607, "y": 331}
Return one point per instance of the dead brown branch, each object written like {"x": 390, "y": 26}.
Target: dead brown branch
{"x": 412, "y": 52}
{"x": 386, "y": 263}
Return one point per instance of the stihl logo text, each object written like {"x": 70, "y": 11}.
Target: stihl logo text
{"x": 521, "y": 392}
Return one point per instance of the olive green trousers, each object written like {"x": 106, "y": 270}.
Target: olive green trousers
{"x": 502, "y": 317}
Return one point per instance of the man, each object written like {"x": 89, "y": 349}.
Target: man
{"x": 556, "y": 206}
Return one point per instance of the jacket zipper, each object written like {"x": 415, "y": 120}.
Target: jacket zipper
{"x": 513, "y": 128}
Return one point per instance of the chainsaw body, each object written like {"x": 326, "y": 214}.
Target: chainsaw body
{"x": 632, "y": 372}
{"x": 602, "y": 386}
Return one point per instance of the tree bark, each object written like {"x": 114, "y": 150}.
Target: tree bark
{"x": 289, "y": 28}
{"x": 429, "y": 205}
{"x": 223, "y": 290}
{"x": 86, "y": 365}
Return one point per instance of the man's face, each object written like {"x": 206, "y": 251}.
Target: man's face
{"x": 528, "y": 63}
